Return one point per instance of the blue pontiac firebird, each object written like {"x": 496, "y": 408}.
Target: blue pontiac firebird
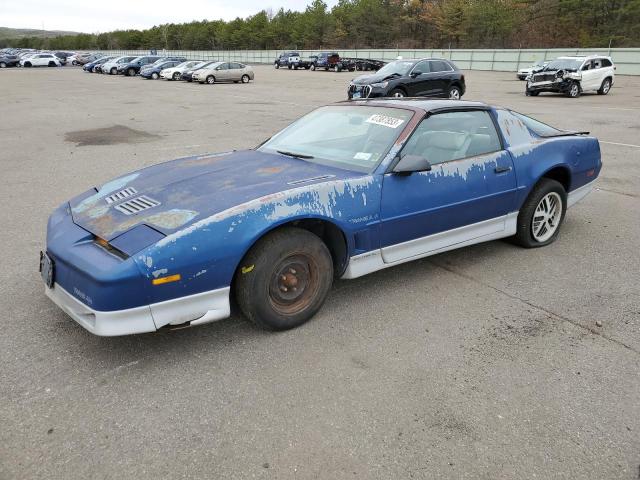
{"x": 346, "y": 190}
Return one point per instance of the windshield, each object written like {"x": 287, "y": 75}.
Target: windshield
{"x": 401, "y": 67}
{"x": 564, "y": 64}
{"x": 348, "y": 137}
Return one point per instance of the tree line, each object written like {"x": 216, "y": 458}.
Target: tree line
{"x": 357, "y": 24}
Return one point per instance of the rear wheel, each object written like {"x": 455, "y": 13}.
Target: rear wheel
{"x": 284, "y": 279}
{"x": 605, "y": 87}
{"x": 131, "y": 72}
{"x": 245, "y": 78}
{"x": 113, "y": 71}
{"x": 336, "y": 68}
{"x": 396, "y": 92}
{"x": 52, "y": 64}
{"x": 27, "y": 64}
{"x": 454, "y": 93}
{"x": 211, "y": 80}
{"x": 542, "y": 214}
{"x": 3, "y": 65}
{"x": 313, "y": 66}
{"x": 176, "y": 76}
{"x": 277, "y": 66}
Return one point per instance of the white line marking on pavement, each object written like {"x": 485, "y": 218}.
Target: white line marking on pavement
{"x": 621, "y": 144}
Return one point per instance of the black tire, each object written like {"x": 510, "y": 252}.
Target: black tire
{"x": 245, "y": 78}
{"x": 52, "y": 64}
{"x": 211, "y": 79}
{"x": 289, "y": 67}
{"x": 27, "y": 64}
{"x": 336, "y": 68}
{"x": 267, "y": 280}
{"x": 574, "y": 90}
{"x": 605, "y": 87}
{"x": 74, "y": 63}
{"x": 131, "y": 72}
{"x": 113, "y": 71}
{"x": 524, "y": 233}
{"x": 3, "y": 65}
{"x": 313, "y": 67}
{"x": 155, "y": 76}
{"x": 277, "y": 66}
{"x": 454, "y": 93}
{"x": 531, "y": 93}
{"x": 398, "y": 93}
{"x": 176, "y": 76}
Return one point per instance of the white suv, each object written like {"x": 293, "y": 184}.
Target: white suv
{"x": 41, "y": 60}
{"x": 573, "y": 76}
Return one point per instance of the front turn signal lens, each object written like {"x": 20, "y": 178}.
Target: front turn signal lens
{"x": 169, "y": 279}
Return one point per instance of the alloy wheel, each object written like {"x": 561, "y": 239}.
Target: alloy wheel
{"x": 454, "y": 94}
{"x": 547, "y": 216}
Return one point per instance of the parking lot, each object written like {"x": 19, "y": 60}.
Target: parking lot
{"x": 487, "y": 362}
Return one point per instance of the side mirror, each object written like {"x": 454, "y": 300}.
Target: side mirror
{"x": 412, "y": 163}
{"x": 415, "y": 73}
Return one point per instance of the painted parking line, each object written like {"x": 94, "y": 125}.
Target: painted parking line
{"x": 621, "y": 144}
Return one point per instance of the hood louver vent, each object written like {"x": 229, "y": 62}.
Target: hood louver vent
{"x": 137, "y": 205}
{"x": 121, "y": 195}
{"x": 312, "y": 179}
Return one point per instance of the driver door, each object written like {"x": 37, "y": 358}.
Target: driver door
{"x": 467, "y": 194}
{"x": 222, "y": 72}
{"x": 590, "y": 72}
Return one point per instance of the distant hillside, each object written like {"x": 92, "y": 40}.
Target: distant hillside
{"x": 6, "y": 32}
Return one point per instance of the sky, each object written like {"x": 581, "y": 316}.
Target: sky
{"x": 92, "y": 16}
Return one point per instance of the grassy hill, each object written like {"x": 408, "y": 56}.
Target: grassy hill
{"x": 6, "y": 32}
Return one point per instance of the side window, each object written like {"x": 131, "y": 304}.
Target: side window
{"x": 422, "y": 67}
{"x": 235, "y": 66}
{"x": 223, "y": 66}
{"x": 606, "y": 62}
{"x": 444, "y": 137}
{"x": 440, "y": 66}
{"x": 597, "y": 63}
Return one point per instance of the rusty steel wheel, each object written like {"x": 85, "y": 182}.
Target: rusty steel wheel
{"x": 284, "y": 279}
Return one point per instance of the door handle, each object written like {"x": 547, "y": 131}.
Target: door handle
{"x": 502, "y": 169}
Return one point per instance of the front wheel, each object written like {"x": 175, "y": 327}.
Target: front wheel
{"x": 336, "y": 68}
{"x": 313, "y": 67}
{"x": 131, "y": 72}
{"x": 542, "y": 214}
{"x": 113, "y": 71}
{"x": 574, "y": 90}
{"x": 531, "y": 93}
{"x": 155, "y": 76}
{"x": 27, "y": 64}
{"x": 455, "y": 93}
{"x": 52, "y": 64}
{"x": 397, "y": 93}
{"x": 211, "y": 80}
{"x": 3, "y": 65}
{"x": 284, "y": 279}
{"x": 245, "y": 79}
{"x": 277, "y": 66}
{"x": 605, "y": 87}
{"x": 176, "y": 76}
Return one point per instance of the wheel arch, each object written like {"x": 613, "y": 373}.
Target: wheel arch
{"x": 560, "y": 174}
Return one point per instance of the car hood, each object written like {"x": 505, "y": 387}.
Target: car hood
{"x": 189, "y": 189}
{"x": 373, "y": 78}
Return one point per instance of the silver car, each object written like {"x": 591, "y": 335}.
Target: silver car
{"x": 224, "y": 72}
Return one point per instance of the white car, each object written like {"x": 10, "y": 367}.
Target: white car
{"x": 175, "y": 73}
{"x": 523, "y": 73}
{"x": 41, "y": 60}
{"x": 111, "y": 66}
{"x": 573, "y": 76}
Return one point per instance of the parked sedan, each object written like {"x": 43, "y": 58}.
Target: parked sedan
{"x": 111, "y": 67}
{"x": 523, "y": 73}
{"x": 175, "y": 73}
{"x": 224, "y": 72}
{"x": 8, "y": 60}
{"x": 132, "y": 68}
{"x": 347, "y": 190}
{"x": 188, "y": 74}
{"x": 153, "y": 71}
{"x": 92, "y": 67}
{"x": 428, "y": 77}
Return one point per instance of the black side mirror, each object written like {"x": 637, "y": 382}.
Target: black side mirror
{"x": 412, "y": 163}
{"x": 415, "y": 73}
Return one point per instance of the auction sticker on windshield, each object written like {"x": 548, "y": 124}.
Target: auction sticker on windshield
{"x": 385, "y": 121}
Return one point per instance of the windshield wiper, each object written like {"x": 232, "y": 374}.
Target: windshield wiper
{"x": 295, "y": 155}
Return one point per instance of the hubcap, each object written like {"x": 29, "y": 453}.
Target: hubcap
{"x": 398, "y": 94}
{"x": 454, "y": 94}
{"x": 606, "y": 87}
{"x": 574, "y": 90}
{"x": 294, "y": 284}
{"x": 547, "y": 216}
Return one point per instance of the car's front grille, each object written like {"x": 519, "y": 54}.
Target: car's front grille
{"x": 544, "y": 77}
{"x": 121, "y": 195}
{"x": 364, "y": 90}
{"x": 137, "y": 205}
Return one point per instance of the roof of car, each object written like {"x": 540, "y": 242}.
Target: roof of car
{"x": 426, "y": 104}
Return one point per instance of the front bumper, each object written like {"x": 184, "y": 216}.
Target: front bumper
{"x": 560, "y": 85}
{"x": 191, "y": 310}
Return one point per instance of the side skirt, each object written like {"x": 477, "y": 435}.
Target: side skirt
{"x": 485, "y": 231}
